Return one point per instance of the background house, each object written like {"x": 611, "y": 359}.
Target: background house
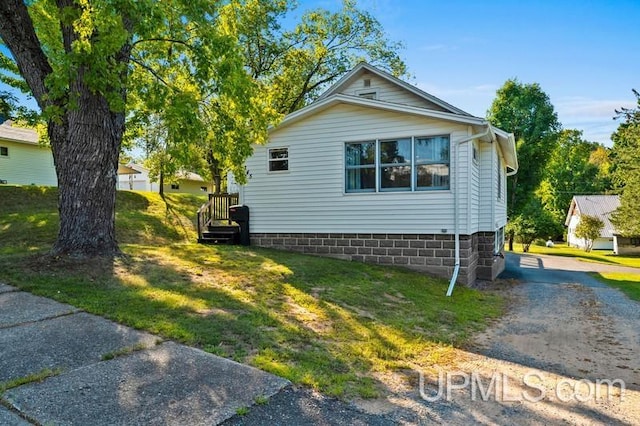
{"x": 23, "y": 161}
{"x": 600, "y": 206}
{"x": 379, "y": 171}
{"x": 187, "y": 182}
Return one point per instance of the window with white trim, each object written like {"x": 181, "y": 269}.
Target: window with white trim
{"x": 360, "y": 161}
{"x": 395, "y": 165}
{"x": 279, "y": 159}
{"x": 404, "y": 164}
{"x": 432, "y": 162}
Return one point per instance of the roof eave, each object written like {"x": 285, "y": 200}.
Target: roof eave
{"x": 339, "y": 98}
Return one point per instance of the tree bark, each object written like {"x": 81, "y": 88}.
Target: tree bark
{"x": 85, "y": 141}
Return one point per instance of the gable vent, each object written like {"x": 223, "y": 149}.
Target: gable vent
{"x": 367, "y": 82}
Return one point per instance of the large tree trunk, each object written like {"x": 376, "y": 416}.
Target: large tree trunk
{"x": 86, "y": 153}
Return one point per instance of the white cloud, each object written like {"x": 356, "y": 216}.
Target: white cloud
{"x": 586, "y": 108}
{"x": 434, "y": 47}
{"x": 593, "y": 116}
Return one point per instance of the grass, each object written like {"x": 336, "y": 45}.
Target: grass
{"x": 32, "y": 378}
{"x": 629, "y": 284}
{"x": 600, "y": 256}
{"x": 333, "y": 325}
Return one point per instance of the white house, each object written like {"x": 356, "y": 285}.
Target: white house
{"x": 23, "y": 161}
{"x": 600, "y": 206}
{"x": 187, "y": 182}
{"x": 376, "y": 170}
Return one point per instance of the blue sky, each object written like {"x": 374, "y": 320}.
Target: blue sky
{"x": 584, "y": 54}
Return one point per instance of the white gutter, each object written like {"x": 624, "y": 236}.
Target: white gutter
{"x": 456, "y": 231}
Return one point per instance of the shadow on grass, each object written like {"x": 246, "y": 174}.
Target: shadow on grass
{"x": 329, "y": 324}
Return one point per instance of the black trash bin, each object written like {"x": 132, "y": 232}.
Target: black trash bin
{"x": 240, "y": 215}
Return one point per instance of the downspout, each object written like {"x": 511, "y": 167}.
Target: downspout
{"x": 456, "y": 230}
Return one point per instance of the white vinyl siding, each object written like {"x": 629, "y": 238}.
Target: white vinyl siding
{"x": 27, "y": 164}
{"x": 388, "y": 92}
{"x": 492, "y": 212}
{"x": 312, "y": 198}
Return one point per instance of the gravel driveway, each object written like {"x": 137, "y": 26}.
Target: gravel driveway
{"x": 549, "y": 357}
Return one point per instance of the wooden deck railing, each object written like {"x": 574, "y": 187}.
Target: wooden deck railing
{"x": 216, "y": 209}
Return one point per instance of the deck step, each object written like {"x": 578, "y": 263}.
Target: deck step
{"x": 220, "y": 235}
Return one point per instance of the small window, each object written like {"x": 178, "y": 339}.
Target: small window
{"x": 634, "y": 241}
{"x": 279, "y": 159}
{"x": 203, "y": 188}
{"x": 175, "y": 186}
{"x": 4, "y": 151}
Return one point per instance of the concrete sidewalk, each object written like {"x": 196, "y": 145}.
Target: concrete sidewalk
{"x": 110, "y": 374}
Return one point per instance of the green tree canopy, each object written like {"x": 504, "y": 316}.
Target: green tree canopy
{"x": 626, "y": 162}
{"x": 296, "y": 64}
{"x": 526, "y": 111}
{"x": 532, "y": 223}
{"x": 575, "y": 167}
{"x": 589, "y": 229}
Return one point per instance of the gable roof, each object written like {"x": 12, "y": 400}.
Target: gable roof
{"x": 363, "y": 67}
{"x": 505, "y": 140}
{"x": 18, "y": 134}
{"x": 600, "y": 206}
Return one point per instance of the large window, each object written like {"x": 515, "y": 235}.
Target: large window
{"x": 279, "y": 159}
{"x": 408, "y": 164}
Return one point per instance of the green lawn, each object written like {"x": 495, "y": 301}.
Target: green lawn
{"x": 333, "y": 325}
{"x": 629, "y": 284}
{"x": 601, "y": 256}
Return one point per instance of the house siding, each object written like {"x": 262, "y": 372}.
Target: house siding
{"x": 310, "y": 196}
{"x": 27, "y": 164}
{"x": 388, "y": 92}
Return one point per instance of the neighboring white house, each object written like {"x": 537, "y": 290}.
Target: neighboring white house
{"x": 187, "y": 182}
{"x": 23, "y": 161}
{"x": 377, "y": 170}
{"x": 600, "y": 206}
